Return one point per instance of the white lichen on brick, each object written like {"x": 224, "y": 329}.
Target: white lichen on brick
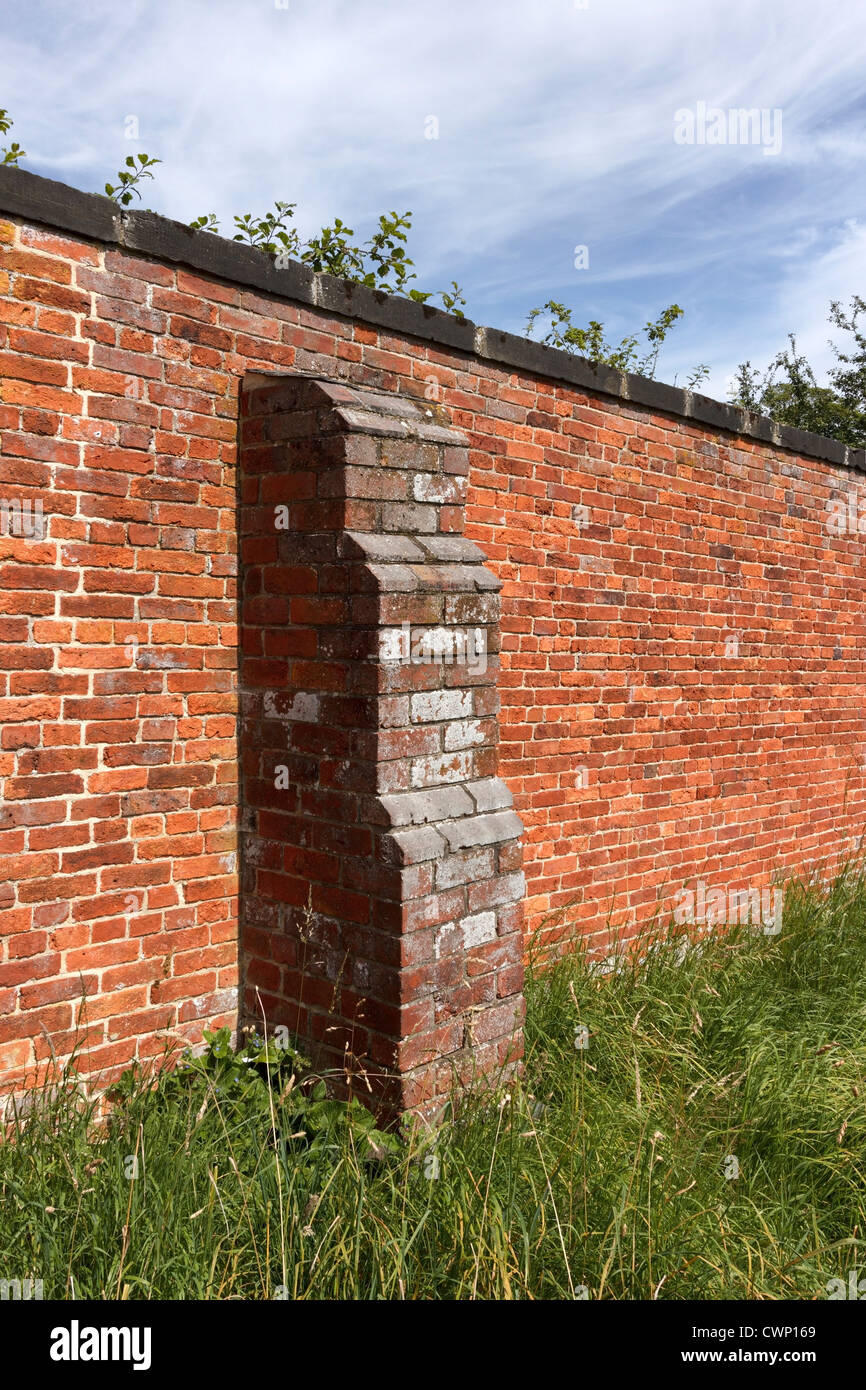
{"x": 464, "y": 733}
{"x": 478, "y": 929}
{"x": 432, "y": 705}
{"x": 442, "y": 767}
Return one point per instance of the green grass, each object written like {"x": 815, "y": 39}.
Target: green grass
{"x": 601, "y": 1174}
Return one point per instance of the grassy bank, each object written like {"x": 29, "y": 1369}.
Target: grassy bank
{"x": 610, "y": 1171}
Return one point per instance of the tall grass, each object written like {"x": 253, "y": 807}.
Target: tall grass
{"x": 608, "y": 1171}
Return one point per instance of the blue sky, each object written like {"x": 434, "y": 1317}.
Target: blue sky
{"x": 556, "y": 123}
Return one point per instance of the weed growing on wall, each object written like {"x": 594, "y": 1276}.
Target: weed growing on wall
{"x": 380, "y": 263}
{"x": 11, "y": 153}
{"x": 138, "y": 167}
{"x": 590, "y": 342}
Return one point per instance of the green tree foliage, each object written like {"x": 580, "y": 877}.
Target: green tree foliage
{"x": 789, "y": 393}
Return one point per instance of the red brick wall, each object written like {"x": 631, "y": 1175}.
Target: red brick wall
{"x": 117, "y": 691}
{"x": 682, "y": 650}
{"x": 631, "y": 545}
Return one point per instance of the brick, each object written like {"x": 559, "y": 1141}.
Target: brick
{"x": 482, "y": 830}
{"x": 444, "y": 767}
{"x": 415, "y": 846}
{"x": 420, "y": 807}
{"x": 490, "y": 794}
{"x": 478, "y": 929}
{"x": 441, "y": 704}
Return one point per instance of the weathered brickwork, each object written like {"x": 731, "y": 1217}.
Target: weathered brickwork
{"x": 682, "y": 652}
{"x": 381, "y": 892}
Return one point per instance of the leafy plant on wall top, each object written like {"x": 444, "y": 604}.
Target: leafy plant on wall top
{"x": 380, "y": 263}
{"x": 129, "y": 178}
{"x": 14, "y": 151}
{"x": 590, "y": 341}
